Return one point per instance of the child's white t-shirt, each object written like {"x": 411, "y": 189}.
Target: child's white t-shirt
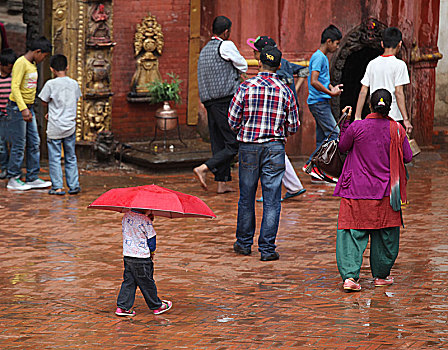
{"x": 387, "y": 72}
{"x": 137, "y": 229}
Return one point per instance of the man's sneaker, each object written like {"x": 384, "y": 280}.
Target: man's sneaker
{"x": 380, "y": 282}
{"x": 351, "y": 286}
{"x": 123, "y": 312}
{"x": 18, "y": 185}
{"x": 38, "y": 183}
{"x": 166, "y": 305}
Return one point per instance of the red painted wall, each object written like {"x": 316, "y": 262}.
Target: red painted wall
{"x": 295, "y": 24}
{"x": 135, "y": 121}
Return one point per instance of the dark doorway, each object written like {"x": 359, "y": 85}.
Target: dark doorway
{"x": 352, "y": 73}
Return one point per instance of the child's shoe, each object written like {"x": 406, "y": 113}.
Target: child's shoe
{"x": 166, "y": 305}
{"x": 123, "y": 312}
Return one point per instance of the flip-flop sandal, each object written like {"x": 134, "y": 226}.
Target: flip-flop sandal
{"x": 58, "y": 193}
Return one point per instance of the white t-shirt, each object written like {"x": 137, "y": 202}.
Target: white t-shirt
{"x": 62, "y": 95}
{"x": 137, "y": 229}
{"x": 386, "y": 72}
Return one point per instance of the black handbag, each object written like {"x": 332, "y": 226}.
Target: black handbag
{"x": 327, "y": 158}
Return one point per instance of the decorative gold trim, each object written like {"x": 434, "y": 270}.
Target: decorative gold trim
{"x": 254, "y": 63}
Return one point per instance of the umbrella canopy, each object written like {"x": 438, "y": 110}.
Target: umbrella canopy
{"x": 161, "y": 201}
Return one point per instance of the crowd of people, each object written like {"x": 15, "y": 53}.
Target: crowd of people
{"x": 251, "y": 118}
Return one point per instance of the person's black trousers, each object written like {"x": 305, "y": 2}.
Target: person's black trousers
{"x": 138, "y": 272}
{"x": 222, "y": 138}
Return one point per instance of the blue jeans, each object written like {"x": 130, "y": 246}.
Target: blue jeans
{"x": 54, "y": 162}
{"x": 264, "y": 161}
{"x": 325, "y": 123}
{"x": 21, "y": 134}
{"x": 138, "y": 272}
{"x": 4, "y": 153}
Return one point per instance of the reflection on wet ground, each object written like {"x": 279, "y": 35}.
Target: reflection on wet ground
{"x": 61, "y": 270}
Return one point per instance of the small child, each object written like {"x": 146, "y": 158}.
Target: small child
{"x": 7, "y": 60}
{"x": 139, "y": 245}
{"x": 61, "y": 94}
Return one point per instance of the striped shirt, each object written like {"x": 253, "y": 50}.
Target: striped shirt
{"x": 5, "y": 90}
{"x": 263, "y": 109}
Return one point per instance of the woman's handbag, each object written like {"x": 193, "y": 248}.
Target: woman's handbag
{"x": 327, "y": 158}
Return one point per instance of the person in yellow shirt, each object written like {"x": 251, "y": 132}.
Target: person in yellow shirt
{"x": 21, "y": 126}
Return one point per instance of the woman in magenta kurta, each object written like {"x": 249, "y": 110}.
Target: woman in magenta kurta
{"x": 377, "y": 150}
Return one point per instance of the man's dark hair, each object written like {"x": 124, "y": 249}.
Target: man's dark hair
{"x": 221, "y": 24}
{"x": 58, "y": 62}
{"x": 42, "y": 44}
{"x": 391, "y": 37}
{"x": 7, "y": 57}
{"x": 332, "y": 33}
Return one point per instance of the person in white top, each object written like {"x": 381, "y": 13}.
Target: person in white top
{"x": 390, "y": 73}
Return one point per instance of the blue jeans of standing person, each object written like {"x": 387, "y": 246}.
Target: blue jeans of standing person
{"x": 138, "y": 272}
{"x": 70, "y": 162}
{"x": 325, "y": 123}
{"x": 4, "y": 153}
{"x": 264, "y": 162}
{"x": 21, "y": 134}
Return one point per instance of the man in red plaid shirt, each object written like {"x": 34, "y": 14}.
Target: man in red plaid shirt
{"x": 263, "y": 113}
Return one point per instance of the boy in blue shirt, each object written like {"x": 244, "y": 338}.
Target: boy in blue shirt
{"x": 321, "y": 91}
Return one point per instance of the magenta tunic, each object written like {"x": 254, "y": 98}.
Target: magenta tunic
{"x": 366, "y": 171}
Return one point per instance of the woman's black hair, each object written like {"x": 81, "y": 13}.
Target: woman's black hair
{"x": 380, "y": 102}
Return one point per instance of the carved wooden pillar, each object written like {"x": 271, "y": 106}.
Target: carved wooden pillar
{"x": 82, "y": 31}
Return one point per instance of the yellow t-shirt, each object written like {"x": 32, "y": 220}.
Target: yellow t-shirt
{"x": 23, "y": 83}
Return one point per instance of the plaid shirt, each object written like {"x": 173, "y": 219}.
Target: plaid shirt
{"x": 263, "y": 109}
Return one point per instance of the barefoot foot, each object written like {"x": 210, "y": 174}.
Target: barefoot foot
{"x": 200, "y": 173}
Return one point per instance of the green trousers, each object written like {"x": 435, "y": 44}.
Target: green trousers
{"x": 351, "y": 244}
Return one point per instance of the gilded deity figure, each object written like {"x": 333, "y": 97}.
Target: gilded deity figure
{"x": 98, "y": 72}
{"x": 148, "y": 44}
{"x": 99, "y": 31}
{"x": 98, "y": 114}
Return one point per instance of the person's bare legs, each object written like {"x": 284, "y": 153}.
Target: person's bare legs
{"x": 223, "y": 187}
{"x": 200, "y": 172}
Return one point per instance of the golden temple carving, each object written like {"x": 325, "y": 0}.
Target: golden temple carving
{"x": 148, "y": 45}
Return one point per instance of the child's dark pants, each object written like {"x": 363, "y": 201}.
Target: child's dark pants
{"x": 138, "y": 272}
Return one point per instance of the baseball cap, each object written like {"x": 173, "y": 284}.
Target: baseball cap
{"x": 260, "y": 42}
{"x": 271, "y": 56}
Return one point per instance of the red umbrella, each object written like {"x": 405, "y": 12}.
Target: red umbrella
{"x": 161, "y": 201}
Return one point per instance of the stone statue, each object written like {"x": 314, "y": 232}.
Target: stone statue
{"x": 98, "y": 73}
{"x": 98, "y": 117}
{"x": 148, "y": 44}
{"x": 99, "y": 31}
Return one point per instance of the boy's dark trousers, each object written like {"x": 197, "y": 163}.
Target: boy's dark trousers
{"x": 138, "y": 272}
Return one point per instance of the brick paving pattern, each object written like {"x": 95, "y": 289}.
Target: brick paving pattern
{"x": 61, "y": 269}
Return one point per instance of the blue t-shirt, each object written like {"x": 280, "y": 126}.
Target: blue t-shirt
{"x": 319, "y": 63}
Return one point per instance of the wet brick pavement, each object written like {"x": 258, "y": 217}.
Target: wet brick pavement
{"x": 61, "y": 269}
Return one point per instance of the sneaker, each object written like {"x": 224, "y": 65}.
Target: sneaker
{"x": 351, "y": 286}
{"x": 380, "y": 282}
{"x": 3, "y": 174}
{"x": 123, "y": 312}
{"x": 166, "y": 305}
{"x": 38, "y": 183}
{"x": 304, "y": 168}
{"x": 17, "y": 184}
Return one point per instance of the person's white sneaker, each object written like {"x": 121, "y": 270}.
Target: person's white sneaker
{"x": 38, "y": 183}
{"x": 17, "y": 184}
